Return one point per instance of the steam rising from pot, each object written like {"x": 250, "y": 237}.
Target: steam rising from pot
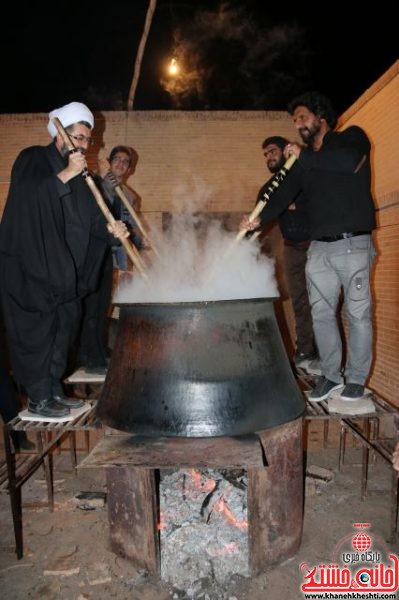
{"x": 200, "y": 262}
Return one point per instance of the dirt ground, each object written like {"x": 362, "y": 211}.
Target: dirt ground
{"x": 66, "y": 553}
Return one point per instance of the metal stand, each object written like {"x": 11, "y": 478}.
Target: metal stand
{"x": 275, "y": 488}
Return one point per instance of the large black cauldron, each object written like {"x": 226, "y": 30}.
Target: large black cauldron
{"x": 199, "y": 369}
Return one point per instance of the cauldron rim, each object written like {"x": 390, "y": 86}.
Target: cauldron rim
{"x": 196, "y": 302}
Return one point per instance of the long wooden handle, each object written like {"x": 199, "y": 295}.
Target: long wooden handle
{"x": 274, "y": 184}
{"x": 255, "y": 235}
{"x": 136, "y": 218}
{"x": 131, "y": 251}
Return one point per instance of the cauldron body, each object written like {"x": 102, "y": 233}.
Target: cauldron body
{"x": 199, "y": 369}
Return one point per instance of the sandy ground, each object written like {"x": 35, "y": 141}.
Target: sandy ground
{"x": 67, "y": 554}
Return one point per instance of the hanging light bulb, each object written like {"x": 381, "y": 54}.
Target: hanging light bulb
{"x": 173, "y": 67}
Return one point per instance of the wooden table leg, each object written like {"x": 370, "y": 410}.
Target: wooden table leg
{"x": 42, "y": 441}
{"x": 365, "y": 458}
{"x": 342, "y": 446}
{"x": 325, "y": 433}
{"x": 72, "y": 449}
{"x": 15, "y": 492}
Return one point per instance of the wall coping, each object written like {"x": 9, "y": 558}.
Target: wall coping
{"x": 372, "y": 91}
{"x": 166, "y": 115}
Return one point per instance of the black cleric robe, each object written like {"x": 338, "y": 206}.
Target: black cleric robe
{"x": 53, "y": 239}
{"x": 52, "y": 235}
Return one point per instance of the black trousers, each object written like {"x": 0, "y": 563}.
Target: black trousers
{"x": 92, "y": 345}
{"x": 295, "y": 256}
{"x": 9, "y": 405}
{"x": 39, "y": 345}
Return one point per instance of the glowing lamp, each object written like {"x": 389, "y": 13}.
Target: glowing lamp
{"x": 173, "y": 67}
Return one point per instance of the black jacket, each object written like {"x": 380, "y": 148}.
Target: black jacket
{"x": 293, "y": 223}
{"x": 336, "y": 182}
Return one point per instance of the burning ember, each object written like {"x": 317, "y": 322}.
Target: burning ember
{"x": 203, "y": 526}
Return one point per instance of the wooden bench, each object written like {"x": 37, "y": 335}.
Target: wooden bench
{"x": 368, "y": 433}
{"x": 18, "y": 468}
{"x": 366, "y": 429}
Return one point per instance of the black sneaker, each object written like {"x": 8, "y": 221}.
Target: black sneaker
{"x": 313, "y": 367}
{"x": 323, "y": 389}
{"x": 302, "y": 359}
{"x": 352, "y": 392}
{"x": 69, "y": 402}
{"x": 48, "y": 407}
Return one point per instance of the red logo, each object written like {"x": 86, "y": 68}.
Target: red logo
{"x": 361, "y": 564}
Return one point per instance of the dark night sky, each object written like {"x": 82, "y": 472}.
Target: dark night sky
{"x": 245, "y": 55}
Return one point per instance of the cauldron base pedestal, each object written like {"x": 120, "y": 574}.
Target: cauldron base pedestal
{"x": 273, "y": 459}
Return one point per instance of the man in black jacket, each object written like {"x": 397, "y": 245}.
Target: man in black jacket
{"x": 333, "y": 171}
{"x": 52, "y": 243}
{"x": 293, "y": 223}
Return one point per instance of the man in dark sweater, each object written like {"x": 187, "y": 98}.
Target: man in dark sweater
{"x": 333, "y": 171}
{"x": 294, "y": 228}
{"x": 93, "y": 344}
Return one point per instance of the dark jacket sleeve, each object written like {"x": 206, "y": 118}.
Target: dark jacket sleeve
{"x": 342, "y": 152}
{"x": 282, "y": 196}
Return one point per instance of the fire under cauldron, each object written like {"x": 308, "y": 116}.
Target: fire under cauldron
{"x": 199, "y": 369}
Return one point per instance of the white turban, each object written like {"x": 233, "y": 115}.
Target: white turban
{"x": 68, "y": 115}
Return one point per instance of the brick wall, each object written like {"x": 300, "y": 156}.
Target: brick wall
{"x": 377, "y": 112}
{"x": 219, "y": 152}
{"x": 180, "y": 154}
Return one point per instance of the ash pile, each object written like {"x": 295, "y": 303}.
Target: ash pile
{"x": 203, "y": 527}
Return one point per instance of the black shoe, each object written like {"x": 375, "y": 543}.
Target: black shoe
{"x": 96, "y": 370}
{"x": 323, "y": 389}
{"x": 69, "y": 402}
{"x": 302, "y": 359}
{"x": 352, "y": 392}
{"x": 21, "y": 442}
{"x": 48, "y": 407}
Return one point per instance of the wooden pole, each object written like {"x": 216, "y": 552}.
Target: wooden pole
{"x": 254, "y": 236}
{"x": 135, "y": 216}
{"x": 274, "y": 184}
{"x": 140, "y": 52}
{"x": 130, "y": 249}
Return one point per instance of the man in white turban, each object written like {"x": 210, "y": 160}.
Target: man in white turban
{"x": 53, "y": 239}
{"x": 74, "y": 112}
